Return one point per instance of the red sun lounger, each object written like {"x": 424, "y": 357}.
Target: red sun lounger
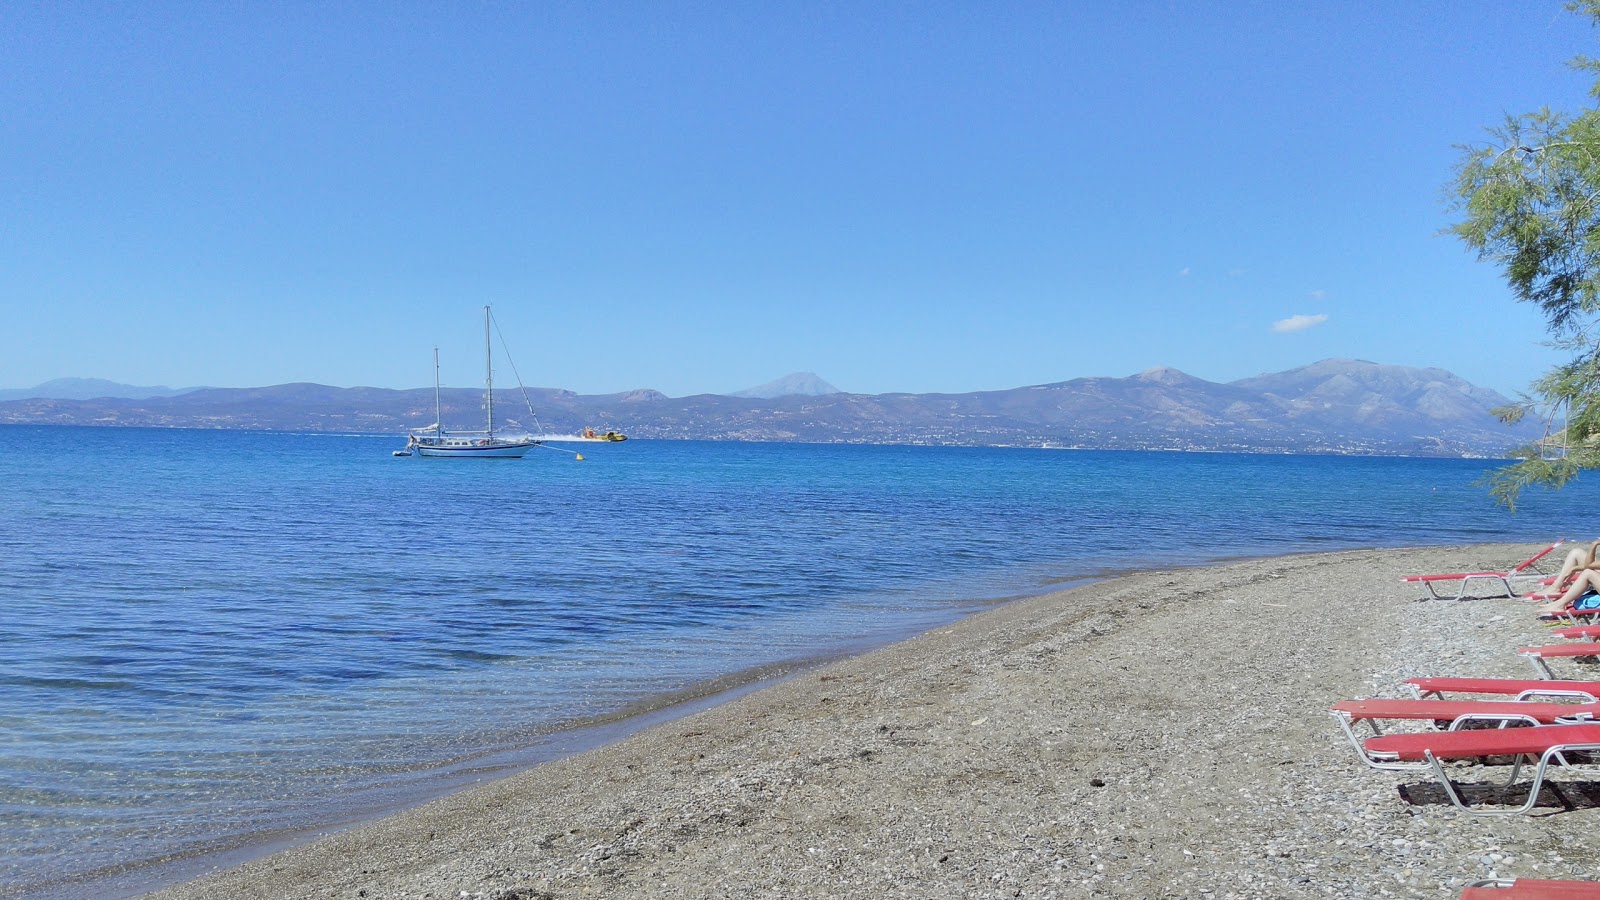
{"x": 1458, "y": 713}
{"x": 1578, "y": 633}
{"x": 1546, "y": 743}
{"x": 1566, "y": 614}
{"x": 1518, "y": 688}
{"x": 1532, "y": 889}
{"x": 1537, "y": 655}
{"x": 1522, "y": 570}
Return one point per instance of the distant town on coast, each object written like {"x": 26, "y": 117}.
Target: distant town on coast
{"x": 1332, "y": 406}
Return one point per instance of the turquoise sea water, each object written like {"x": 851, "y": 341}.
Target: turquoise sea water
{"x": 215, "y": 637}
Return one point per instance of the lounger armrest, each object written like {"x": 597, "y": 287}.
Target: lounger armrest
{"x": 1453, "y": 576}
{"x": 1502, "y": 718}
{"x": 1580, "y": 696}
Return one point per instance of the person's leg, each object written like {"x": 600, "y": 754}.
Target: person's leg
{"x": 1575, "y": 560}
{"x": 1586, "y": 581}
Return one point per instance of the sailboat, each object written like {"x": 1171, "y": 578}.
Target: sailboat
{"x": 435, "y": 441}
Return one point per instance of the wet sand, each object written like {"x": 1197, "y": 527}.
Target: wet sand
{"x": 1158, "y": 735}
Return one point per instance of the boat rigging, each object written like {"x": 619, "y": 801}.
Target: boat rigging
{"x": 435, "y": 441}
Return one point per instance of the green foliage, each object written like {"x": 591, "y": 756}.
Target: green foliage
{"x": 1529, "y": 201}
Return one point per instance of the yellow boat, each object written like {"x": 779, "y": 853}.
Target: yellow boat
{"x": 589, "y": 434}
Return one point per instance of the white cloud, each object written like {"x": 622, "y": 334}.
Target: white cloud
{"x": 1319, "y": 295}
{"x": 1183, "y": 272}
{"x": 1298, "y": 323}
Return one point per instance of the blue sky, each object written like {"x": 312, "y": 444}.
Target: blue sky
{"x": 701, "y": 197}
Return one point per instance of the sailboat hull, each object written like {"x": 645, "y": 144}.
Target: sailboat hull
{"x": 478, "y": 449}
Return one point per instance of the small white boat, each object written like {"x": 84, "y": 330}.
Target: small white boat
{"x": 434, "y": 441}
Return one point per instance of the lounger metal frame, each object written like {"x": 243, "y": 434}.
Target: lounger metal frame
{"x": 1347, "y": 724}
{"x": 1575, "y": 650}
{"x": 1505, "y": 579}
{"x": 1554, "y": 754}
{"x": 1534, "y": 887}
{"x": 1529, "y": 694}
{"x": 1526, "y": 569}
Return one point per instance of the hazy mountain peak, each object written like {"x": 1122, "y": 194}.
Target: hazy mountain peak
{"x": 1167, "y": 375}
{"x": 1373, "y": 394}
{"x": 1354, "y": 373}
{"x": 806, "y": 384}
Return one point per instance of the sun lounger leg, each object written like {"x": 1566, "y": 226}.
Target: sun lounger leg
{"x": 1554, "y": 754}
{"x": 1455, "y": 797}
{"x": 1540, "y": 666}
{"x": 1361, "y": 750}
{"x": 1516, "y": 770}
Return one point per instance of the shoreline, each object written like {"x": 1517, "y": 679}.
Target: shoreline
{"x": 1048, "y": 746}
{"x": 563, "y": 739}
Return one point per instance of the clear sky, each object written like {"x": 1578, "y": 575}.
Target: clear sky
{"x": 701, "y": 197}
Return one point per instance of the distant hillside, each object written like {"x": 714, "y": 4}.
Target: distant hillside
{"x": 88, "y": 389}
{"x": 800, "y": 384}
{"x": 1373, "y": 394}
{"x": 1333, "y": 406}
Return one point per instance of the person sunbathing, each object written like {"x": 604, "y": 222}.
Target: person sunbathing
{"x": 1579, "y": 583}
{"x": 1578, "y": 558}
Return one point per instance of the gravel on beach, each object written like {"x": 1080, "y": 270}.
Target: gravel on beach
{"x": 1164, "y": 734}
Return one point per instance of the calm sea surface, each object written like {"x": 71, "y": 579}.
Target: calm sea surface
{"x": 214, "y": 637}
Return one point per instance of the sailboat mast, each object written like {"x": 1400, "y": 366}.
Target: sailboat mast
{"x": 438, "y": 422}
{"x": 488, "y": 373}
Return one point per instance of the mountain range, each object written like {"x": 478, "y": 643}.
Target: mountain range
{"x": 1336, "y": 405}
{"x": 88, "y": 389}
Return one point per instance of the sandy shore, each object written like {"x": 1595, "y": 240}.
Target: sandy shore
{"x": 1160, "y": 735}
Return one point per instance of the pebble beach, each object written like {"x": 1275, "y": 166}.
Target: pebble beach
{"x": 1163, "y": 734}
